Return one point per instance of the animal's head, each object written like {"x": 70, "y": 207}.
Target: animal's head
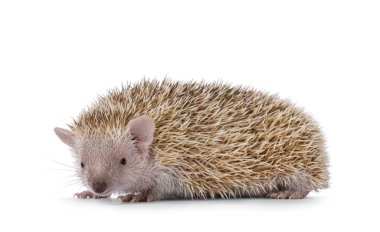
{"x": 114, "y": 164}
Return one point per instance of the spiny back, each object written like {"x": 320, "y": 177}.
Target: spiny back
{"x": 218, "y": 137}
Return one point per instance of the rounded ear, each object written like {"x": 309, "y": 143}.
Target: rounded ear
{"x": 142, "y": 128}
{"x": 66, "y": 136}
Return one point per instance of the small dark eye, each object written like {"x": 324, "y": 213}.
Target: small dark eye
{"x": 82, "y": 165}
{"x": 123, "y": 161}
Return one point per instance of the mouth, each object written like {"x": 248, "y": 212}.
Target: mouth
{"x": 103, "y": 194}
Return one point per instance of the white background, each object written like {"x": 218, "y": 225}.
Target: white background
{"x": 56, "y": 56}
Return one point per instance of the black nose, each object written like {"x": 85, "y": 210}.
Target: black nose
{"x": 99, "y": 187}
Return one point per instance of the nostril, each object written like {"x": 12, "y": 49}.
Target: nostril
{"x": 99, "y": 187}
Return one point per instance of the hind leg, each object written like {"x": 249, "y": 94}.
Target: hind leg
{"x": 288, "y": 195}
{"x": 296, "y": 186}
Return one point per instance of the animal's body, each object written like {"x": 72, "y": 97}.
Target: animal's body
{"x": 196, "y": 140}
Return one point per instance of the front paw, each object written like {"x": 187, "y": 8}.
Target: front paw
{"x": 88, "y": 194}
{"x": 137, "y": 198}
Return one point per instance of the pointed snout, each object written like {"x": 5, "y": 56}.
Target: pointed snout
{"x": 99, "y": 186}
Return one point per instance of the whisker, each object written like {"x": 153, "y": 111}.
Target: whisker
{"x": 66, "y": 165}
{"x": 51, "y": 169}
{"x": 72, "y": 184}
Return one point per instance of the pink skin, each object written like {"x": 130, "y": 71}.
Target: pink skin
{"x": 122, "y": 164}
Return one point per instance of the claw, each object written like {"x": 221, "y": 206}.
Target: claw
{"x": 84, "y": 195}
{"x": 126, "y": 198}
{"x": 88, "y": 195}
{"x": 137, "y": 198}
